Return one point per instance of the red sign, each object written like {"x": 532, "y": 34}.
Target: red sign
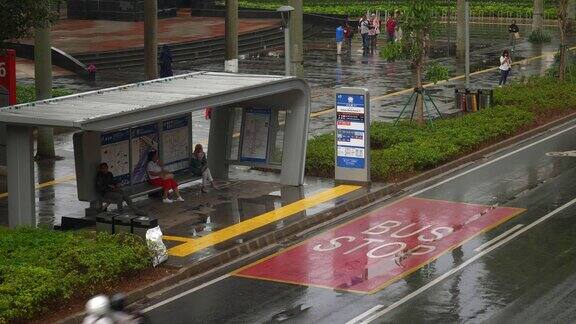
{"x": 369, "y": 253}
{"x": 8, "y": 78}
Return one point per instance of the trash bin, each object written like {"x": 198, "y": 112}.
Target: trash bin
{"x": 123, "y": 223}
{"x": 485, "y": 98}
{"x": 105, "y": 222}
{"x": 142, "y": 224}
{"x": 460, "y": 99}
{"x": 466, "y": 100}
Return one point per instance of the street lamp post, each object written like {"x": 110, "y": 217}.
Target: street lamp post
{"x": 285, "y": 12}
{"x": 467, "y": 43}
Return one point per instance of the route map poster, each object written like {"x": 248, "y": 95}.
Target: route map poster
{"x": 350, "y": 131}
{"x": 255, "y": 135}
{"x": 114, "y": 150}
{"x": 144, "y": 140}
{"x": 175, "y": 144}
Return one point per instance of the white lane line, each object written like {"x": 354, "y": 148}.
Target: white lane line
{"x": 492, "y": 161}
{"x": 358, "y": 318}
{"x": 498, "y": 238}
{"x": 466, "y": 263}
{"x": 182, "y": 294}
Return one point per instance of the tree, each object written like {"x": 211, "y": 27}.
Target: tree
{"x": 417, "y": 22}
{"x": 563, "y": 23}
{"x": 19, "y": 18}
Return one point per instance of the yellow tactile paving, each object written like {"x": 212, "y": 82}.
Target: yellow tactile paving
{"x": 194, "y": 245}
{"x": 64, "y": 179}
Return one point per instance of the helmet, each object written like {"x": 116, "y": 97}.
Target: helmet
{"x": 98, "y": 305}
{"x": 118, "y": 302}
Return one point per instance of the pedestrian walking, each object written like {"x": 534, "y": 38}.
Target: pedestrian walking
{"x": 391, "y": 29}
{"x": 374, "y": 31}
{"x": 505, "y": 67}
{"x": 364, "y": 29}
{"x": 348, "y": 35}
{"x": 514, "y": 33}
{"x": 339, "y": 39}
{"x": 166, "y": 62}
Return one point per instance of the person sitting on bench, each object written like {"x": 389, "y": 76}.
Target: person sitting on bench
{"x": 199, "y": 167}
{"x": 109, "y": 189}
{"x": 162, "y": 178}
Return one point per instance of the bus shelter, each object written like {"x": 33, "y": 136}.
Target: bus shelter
{"x": 256, "y": 120}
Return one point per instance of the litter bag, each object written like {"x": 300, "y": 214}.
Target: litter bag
{"x": 156, "y": 246}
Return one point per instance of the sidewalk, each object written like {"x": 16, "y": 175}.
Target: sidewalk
{"x": 90, "y": 36}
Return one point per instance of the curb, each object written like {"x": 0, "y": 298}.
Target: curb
{"x": 277, "y": 236}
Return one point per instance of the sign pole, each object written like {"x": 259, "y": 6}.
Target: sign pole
{"x": 352, "y": 140}
{"x": 7, "y": 94}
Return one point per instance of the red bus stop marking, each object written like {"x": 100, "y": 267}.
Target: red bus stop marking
{"x": 369, "y": 253}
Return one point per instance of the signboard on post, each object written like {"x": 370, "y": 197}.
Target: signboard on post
{"x": 255, "y": 135}
{"x": 114, "y": 152}
{"x": 352, "y": 135}
{"x": 8, "y": 78}
{"x": 175, "y": 143}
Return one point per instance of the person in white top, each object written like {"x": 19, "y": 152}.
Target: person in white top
{"x": 505, "y": 66}
{"x": 162, "y": 178}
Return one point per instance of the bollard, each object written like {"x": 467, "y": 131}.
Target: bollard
{"x": 105, "y": 222}
{"x": 123, "y": 224}
{"x": 140, "y": 225}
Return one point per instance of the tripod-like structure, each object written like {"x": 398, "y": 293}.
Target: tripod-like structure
{"x": 425, "y": 96}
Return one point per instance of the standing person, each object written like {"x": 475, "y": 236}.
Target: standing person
{"x": 364, "y": 29}
{"x": 505, "y": 66}
{"x": 514, "y": 33}
{"x": 348, "y": 34}
{"x": 162, "y": 178}
{"x": 166, "y": 62}
{"x": 199, "y": 167}
{"x": 391, "y": 29}
{"x": 108, "y": 188}
{"x": 398, "y": 32}
{"x": 374, "y": 32}
{"x": 339, "y": 39}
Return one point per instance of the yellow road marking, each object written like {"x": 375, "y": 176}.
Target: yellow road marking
{"x": 64, "y": 179}
{"x": 194, "y": 245}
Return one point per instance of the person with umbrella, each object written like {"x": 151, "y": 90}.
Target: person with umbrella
{"x": 166, "y": 62}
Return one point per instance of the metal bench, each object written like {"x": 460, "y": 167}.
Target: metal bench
{"x": 139, "y": 190}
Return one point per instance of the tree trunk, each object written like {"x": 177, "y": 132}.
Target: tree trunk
{"x": 151, "y": 39}
{"x": 538, "y": 17}
{"x": 231, "y": 55}
{"x": 419, "y": 95}
{"x": 460, "y": 29}
{"x": 563, "y": 26}
{"x": 43, "y": 85}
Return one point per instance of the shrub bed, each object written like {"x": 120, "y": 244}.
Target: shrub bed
{"x": 39, "y": 267}
{"x": 485, "y": 8}
{"x": 402, "y": 150}
{"x": 26, "y": 93}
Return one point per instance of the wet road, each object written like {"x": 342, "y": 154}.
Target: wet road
{"x": 512, "y": 260}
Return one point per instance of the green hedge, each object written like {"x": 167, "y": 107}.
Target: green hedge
{"x": 408, "y": 148}
{"x": 39, "y": 267}
{"x": 484, "y": 8}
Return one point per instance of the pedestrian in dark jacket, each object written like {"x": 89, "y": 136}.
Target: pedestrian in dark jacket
{"x": 514, "y": 33}
{"x": 166, "y": 62}
{"x": 109, "y": 189}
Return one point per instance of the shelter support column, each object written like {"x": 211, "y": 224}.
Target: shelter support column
{"x": 295, "y": 137}
{"x": 218, "y": 142}
{"x": 20, "y": 161}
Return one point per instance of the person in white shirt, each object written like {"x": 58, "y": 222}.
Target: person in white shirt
{"x": 505, "y": 66}
{"x": 162, "y": 178}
